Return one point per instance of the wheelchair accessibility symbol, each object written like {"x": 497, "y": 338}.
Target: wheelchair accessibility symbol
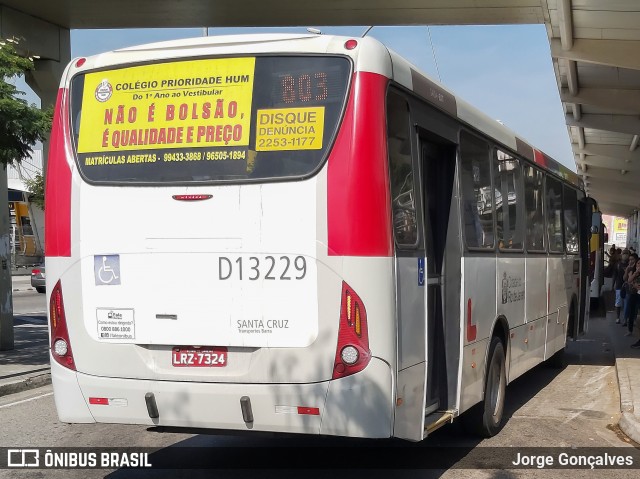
{"x": 106, "y": 269}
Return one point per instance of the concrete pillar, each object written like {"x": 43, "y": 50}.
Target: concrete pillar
{"x": 6, "y": 299}
{"x": 45, "y": 80}
{"x": 53, "y": 44}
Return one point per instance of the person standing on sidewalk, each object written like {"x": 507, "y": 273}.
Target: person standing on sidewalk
{"x": 634, "y": 297}
{"x": 633, "y": 258}
{"x": 634, "y": 289}
{"x": 618, "y": 280}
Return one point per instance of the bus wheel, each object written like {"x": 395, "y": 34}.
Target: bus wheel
{"x": 485, "y": 419}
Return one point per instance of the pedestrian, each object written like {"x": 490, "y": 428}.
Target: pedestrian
{"x": 633, "y": 259}
{"x": 618, "y": 281}
{"x": 613, "y": 259}
{"x": 634, "y": 298}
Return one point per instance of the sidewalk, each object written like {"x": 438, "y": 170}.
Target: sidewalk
{"x": 628, "y": 369}
{"x": 27, "y": 365}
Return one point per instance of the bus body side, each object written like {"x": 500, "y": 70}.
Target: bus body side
{"x": 529, "y": 296}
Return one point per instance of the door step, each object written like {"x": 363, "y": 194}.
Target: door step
{"x": 437, "y": 420}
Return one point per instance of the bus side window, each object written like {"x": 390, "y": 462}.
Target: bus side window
{"x": 570, "y": 202}
{"x": 403, "y": 196}
{"x": 508, "y": 193}
{"x": 534, "y": 194}
{"x": 477, "y": 196}
{"x": 555, "y": 235}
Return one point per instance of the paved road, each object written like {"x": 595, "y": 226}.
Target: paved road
{"x": 29, "y": 303}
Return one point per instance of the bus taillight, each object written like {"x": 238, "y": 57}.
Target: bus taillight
{"x": 352, "y": 352}
{"x": 60, "y": 345}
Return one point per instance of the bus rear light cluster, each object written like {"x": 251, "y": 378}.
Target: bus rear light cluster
{"x": 352, "y": 352}
{"x": 60, "y": 344}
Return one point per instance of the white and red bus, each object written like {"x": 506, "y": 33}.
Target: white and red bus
{"x": 302, "y": 234}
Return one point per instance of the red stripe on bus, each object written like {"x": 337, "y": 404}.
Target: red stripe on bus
{"x": 358, "y": 198}
{"x": 58, "y": 185}
{"x": 539, "y": 158}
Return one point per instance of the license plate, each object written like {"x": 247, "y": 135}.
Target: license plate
{"x": 205, "y": 357}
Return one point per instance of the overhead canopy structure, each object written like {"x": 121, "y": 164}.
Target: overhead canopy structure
{"x": 595, "y": 46}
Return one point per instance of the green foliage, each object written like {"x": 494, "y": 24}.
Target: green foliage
{"x": 36, "y": 188}
{"x": 21, "y": 124}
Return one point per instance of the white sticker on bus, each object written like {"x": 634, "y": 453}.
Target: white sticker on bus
{"x": 115, "y": 324}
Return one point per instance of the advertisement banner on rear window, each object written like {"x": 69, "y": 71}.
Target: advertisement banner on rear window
{"x": 207, "y": 120}
{"x": 150, "y": 109}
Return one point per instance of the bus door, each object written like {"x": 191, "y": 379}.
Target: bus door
{"x": 410, "y": 271}
{"x": 585, "y": 208}
{"x": 420, "y": 206}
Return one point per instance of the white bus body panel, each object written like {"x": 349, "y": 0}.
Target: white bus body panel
{"x": 411, "y": 301}
{"x": 536, "y": 291}
{"x": 169, "y": 266}
{"x": 558, "y": 308}
{"x": 479, "y": 285}
{"x": 70, "y": 402}
{"x": 375, "y": 59}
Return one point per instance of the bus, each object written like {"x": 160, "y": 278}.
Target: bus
{"x": 326, "y": 241}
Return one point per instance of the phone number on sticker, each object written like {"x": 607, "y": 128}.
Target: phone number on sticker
{"x": 285, "y": 142}
{"x": 285, "y": 268}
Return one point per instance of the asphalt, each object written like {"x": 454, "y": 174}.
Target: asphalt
{"x": 27, "y": 366}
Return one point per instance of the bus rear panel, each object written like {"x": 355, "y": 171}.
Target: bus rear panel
{"x": 192, "y": 272}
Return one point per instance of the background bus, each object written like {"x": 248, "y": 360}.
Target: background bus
{"x": 382, "y": 256}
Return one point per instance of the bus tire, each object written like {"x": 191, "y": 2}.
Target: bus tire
{"x": 486, "y": 419}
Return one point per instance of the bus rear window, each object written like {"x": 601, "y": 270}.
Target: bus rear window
{"x": 208, "y": 120}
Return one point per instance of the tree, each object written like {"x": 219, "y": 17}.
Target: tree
{"x": 21, "y": 124}
{"x": 35, "y": 186}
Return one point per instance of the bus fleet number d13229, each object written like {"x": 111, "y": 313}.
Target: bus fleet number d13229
{"x": 254, "y": 268}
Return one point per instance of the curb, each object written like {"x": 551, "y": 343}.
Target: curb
{"x": 629, "y": 423}
{"x": 626, "y": 397}
{"x": 30, "y": 382}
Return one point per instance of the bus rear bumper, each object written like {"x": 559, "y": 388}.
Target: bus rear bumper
{"x": 70, "y": 403}
{"x": 356, "y": 406}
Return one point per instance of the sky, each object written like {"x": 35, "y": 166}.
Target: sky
{"x": 505, "y": 71}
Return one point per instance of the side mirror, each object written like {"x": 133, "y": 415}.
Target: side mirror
{"x": 606, "y": 237}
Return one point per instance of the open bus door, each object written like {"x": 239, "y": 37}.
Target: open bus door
{"x": 586, "y": 207}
